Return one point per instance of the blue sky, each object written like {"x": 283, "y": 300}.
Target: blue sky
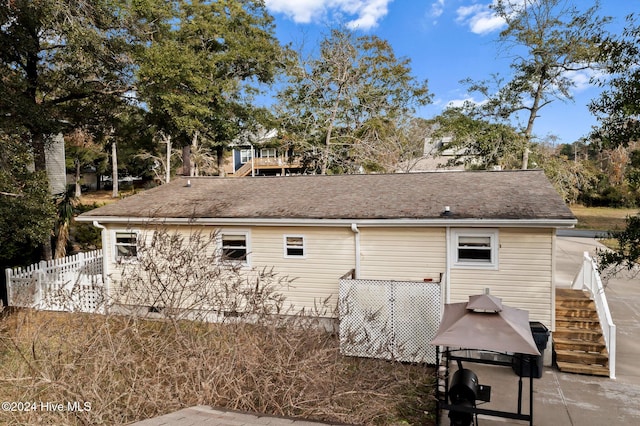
{"x": 447, "y": 41}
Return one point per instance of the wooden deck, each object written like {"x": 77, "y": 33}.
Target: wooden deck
{"x": 271, "y": 163}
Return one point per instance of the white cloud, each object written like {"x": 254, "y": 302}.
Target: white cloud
{"x": 584, "y": 79}
{"x": 459, "y": 103}
{"x": 437, "y": 8}
{"x": 480, "y": 18}
{"x": 363, "y": 14}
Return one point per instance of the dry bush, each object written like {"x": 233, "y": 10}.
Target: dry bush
{"x": 132, "y": 367}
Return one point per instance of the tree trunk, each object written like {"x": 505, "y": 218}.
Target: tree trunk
{"x": 40, "y": 165}
{"x": 186, "y": 160}
{"x": 533, "y": 114}
{"x": 220, "y": 158}
{"x": 61, "y": 240}
{"x": 167, "y": 178}
{"x": 78, "y": 191}
{"x": 114, "y": 168}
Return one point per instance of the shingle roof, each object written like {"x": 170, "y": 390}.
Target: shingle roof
{"x": 471, "y": 195}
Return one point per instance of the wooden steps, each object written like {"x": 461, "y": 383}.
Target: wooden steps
{"x": 578, "y": 343}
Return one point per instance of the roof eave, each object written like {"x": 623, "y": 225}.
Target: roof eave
{"x": 395, "y": 222}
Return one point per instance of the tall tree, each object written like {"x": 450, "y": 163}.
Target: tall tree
{"x": 549, "y": 40}
{"x": 26, "y": 211}
{"x": 618, "y": 107}
{"x": 63, "y": 63}
{"x": 618, "y": 111}
{"x": 205, "y": 63}
{"x": 476, "y": 142}
{"x": 353, "y": 83}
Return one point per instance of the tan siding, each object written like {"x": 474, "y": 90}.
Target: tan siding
{"x": 524, "y": 274}
{"x": 523, "y": 278}
{"x": 329, "y": 254}
{"x": 410, "y": 254}
{"x": 114, "y": 269}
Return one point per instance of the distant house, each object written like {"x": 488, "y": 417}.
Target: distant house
{"x": 438, "y": 154}
{"x": 467, "y": 230}
{"x": 251, "y": 160}
{"x": 261, "y": 155}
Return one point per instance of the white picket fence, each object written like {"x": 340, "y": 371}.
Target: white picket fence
{"x": 71, "y": 284}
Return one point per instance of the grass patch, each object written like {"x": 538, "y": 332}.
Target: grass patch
{"x": 130, "y": 369}
{"x": 103, "y": 197}
{"x": 601, "y": 218}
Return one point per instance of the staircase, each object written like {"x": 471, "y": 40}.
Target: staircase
{"x": 578, "y": 343}
{"x": 244, "y": 170}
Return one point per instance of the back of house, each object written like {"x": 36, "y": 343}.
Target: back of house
{"x": 466, "y": 231}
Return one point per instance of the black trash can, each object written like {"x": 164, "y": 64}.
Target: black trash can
{"x": 522, "y": 364}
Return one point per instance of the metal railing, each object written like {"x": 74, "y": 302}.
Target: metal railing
{"x": 589, "y": 279}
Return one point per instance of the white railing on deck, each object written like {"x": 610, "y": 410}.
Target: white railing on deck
{"x": 73, "y": 283}
{"x": 588, "y": 278}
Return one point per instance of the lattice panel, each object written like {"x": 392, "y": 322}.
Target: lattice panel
{"x": 389, "y": 319}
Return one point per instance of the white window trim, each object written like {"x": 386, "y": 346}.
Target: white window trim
{"x": 247, "y": 236}
{"x": 285, "y": 246}
{"x": 248, "y": 155}
{"x": 493, "y": 235}
{"x": 268, "y": 151}
{"x": 114, "y": 236}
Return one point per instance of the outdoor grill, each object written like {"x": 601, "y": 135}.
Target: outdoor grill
{"x": 483, "y": 324}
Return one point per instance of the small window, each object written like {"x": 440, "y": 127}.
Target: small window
{"x": 268, "y": 153}
{"x": 293, "y": 246}
{"x": 126, "y": 245}
{"x": 234, "y": 247}
{"x": 245, "y": 155}
{"x": 475, "y": 248}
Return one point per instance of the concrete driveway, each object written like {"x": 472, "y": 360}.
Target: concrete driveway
{"x": 565, "y": 399}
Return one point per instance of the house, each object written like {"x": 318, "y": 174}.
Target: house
{"x": 466, "y": 231}
{"x": 251, "y": 160}
{"x": 260, "y": 154}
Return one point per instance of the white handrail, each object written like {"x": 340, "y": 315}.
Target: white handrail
{"x": 588, "y": 278}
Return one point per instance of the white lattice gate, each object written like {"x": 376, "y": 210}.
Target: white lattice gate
{"x": 389, "y": 319}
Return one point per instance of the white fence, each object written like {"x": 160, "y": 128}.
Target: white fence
{"x": 393, "y": 320}
{"x": 588, "y": 278}
{"x": 71, "y": 284}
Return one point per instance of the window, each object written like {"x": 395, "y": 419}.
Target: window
{"x": 126, "y": 245}
{"x": 268, "y": 153}
{"x": 293, "y": 246}
{"x": 234, "y": 247}
{"x": 475, "y": 248}
{"x": 245, "y": 155}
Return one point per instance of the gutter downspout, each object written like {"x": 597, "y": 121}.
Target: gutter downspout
{"x": 356, "y": 231}
{"x": 447, "y": 266}
{"x": 105, "y": 277}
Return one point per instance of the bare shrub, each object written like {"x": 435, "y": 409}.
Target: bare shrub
{"x": 132, "y": 367}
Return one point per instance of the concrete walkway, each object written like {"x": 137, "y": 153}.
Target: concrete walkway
{"x": 207, "y": 416}
{"x": 560, "y": 399}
